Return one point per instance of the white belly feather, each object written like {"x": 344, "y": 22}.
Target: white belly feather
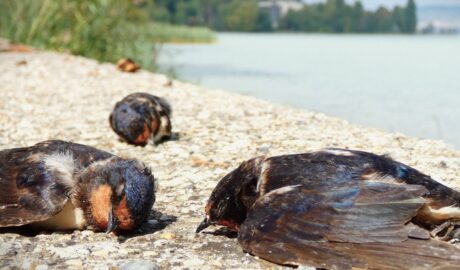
{"x": 70, "y": 218}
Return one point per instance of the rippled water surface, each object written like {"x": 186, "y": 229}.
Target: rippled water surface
{"x": 409, "y": 84}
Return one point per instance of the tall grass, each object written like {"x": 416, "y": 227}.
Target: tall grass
{"x": 106, "y": 30}
{"x": 99, "y": 29}
{"x": 166, "y": 33}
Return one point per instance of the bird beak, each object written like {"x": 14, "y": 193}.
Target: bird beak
{"x": 203, "y": 225}
{"x": 113, "y": 222}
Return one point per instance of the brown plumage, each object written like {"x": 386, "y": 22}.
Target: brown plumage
{"x": 127, "y": 65}
{"x": 336, "y": 209}
{"x": 60, "y": 185}
{"x": 140, "y": 117}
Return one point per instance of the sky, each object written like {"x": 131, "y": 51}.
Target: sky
{"x": 373, "y": 4}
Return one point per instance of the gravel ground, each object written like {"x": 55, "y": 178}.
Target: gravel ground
{"x": 55, "y": 96}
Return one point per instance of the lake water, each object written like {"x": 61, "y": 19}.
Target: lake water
{"x": 408, "y": 84}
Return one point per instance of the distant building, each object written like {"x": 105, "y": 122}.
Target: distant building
{"x": 438, "y": 27}
{"x": 279, "y": 8}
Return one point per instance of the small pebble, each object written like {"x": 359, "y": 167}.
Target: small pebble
{"x": 41, "y": 267}
{"x": 139, "y": 265}
{"x": 126, "y": 251}
{"x": 100, "y": 253}
{"x": 27, "y": 264}
{"x": 74, "y": 262}
{"x": 149, "y": 253}
{"x": 167, "y": 236}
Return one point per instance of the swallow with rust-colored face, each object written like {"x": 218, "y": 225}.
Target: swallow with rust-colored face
{"x": 336, "y": 209}
{"x": 58, "y": 185}
{"x": 140, "y": 117}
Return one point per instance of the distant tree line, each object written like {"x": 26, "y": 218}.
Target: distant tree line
{"x": 338, "y": 17}
{"x": 333, "y": 16}
{"x": 220, "y": 15}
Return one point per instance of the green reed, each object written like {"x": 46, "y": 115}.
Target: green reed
{"x": 106, "y": 30}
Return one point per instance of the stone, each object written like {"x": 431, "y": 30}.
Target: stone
{"x": 139, "y": 265}
{"x": 74, "y": 262}
{"x": 149, "y": 253}
{"x": 104, "y": 267}
{"x": 100, "y": 253}
{"x": 305, "y": 267}
{"x": 126, "y": 251}
{"x": 42, "y": 267}
{"x": 27, "y": 264}
{"x": 5, "y": 248}
{"x": 87, "y": 233}
{"x": 159, "y": 243}
{"x": 167, "y": 236}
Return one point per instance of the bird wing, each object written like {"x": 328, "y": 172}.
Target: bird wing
{"x": 28, "y": 191}
{"x": 353, "y": 225}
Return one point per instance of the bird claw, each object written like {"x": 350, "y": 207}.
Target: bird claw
{"x": 448, "y": 231}
{"x": 435, "y": 232}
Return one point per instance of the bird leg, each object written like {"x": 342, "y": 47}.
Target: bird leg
{"x": 448, "y": 231}
{"x": 440, "y": 228}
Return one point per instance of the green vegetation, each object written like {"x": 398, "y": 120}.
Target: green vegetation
{"x": 96, "y": 28}
{"x": 333, "y": 16}
{"x": 167, "y": 33}
{"x": 106, "y": 30}
{"x": 220, "y": 15}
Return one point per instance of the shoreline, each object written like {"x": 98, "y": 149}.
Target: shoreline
{"x": 334, "y": 76}
{"x": 48, "y": 95}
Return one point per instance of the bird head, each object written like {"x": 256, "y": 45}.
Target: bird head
{"x": 129, "y": 124}
{"x": 119, "y": 194}
{"x": 233, "y": 196}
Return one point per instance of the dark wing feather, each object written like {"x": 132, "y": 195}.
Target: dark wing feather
{"x": 316, "y": 170}
{"x": 358, "y": 225}
{"x": 326, "y": 168}
{"x": 27, "y": 190}
{"x": 410, "y": 254}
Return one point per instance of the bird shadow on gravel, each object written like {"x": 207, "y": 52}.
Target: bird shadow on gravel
{"x": 223, "y": 232}
{"x": 157, "y": 221}
{"x": 175, "y": 136}
{"x": 28, "y": 231}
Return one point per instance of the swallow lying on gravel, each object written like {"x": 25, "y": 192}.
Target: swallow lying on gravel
{"x": 140, "y": 118}
{"x": 58, "y": 185}
{"x": 336, "y": 209}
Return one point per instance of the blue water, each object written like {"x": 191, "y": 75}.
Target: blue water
{"x": 408, "y": 84}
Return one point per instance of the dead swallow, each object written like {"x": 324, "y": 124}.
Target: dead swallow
{"x": 58, "y": 185}
{"x": 336, "y": 209}
{"x": 140, "y": 118}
